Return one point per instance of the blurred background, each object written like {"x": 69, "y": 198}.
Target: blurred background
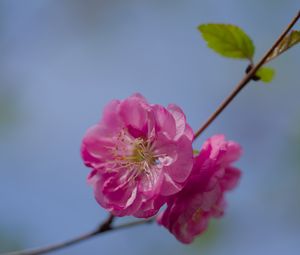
{"x": 63, "y": 60}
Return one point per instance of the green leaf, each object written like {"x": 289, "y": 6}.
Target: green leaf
{"x": 265, "y": 74}
{"x": 195, "y": 152}
{"x": 228, "y": 40}
{"x": 288, "y": 42}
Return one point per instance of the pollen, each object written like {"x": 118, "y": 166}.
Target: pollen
{"x": 135, "y": 154}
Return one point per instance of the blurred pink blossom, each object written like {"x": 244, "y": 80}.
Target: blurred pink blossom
{"x": 140, "y": 154}
{"x": 188, "y": 212}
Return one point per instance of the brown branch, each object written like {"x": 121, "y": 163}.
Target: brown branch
{"x": 248, "y": 77}
{"x": 106, "y": 226}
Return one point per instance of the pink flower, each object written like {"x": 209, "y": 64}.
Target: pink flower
{"x": 188, "y": 212}
{"x": 140, "y": 154}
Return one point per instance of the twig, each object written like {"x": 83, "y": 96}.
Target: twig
{"x": 103, "y": 228}
{"x": 246, "y": 78}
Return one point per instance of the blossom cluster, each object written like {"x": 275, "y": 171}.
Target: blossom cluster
{"x": 142, "y": 158}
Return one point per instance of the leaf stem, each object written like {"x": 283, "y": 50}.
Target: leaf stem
{"x": 247, "y": 78}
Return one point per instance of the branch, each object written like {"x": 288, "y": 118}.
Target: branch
{"x": 106, "y": 226}
{"x": 248, "y": 77}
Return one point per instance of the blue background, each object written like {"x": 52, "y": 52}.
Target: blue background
{"x": 62, "y": 61}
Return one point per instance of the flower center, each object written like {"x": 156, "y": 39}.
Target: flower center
{"x": 142, "y": 152}
{"x": 137, "y": 155}
{"x": 142, "y": 156}
{"x": 197, "y": 215}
